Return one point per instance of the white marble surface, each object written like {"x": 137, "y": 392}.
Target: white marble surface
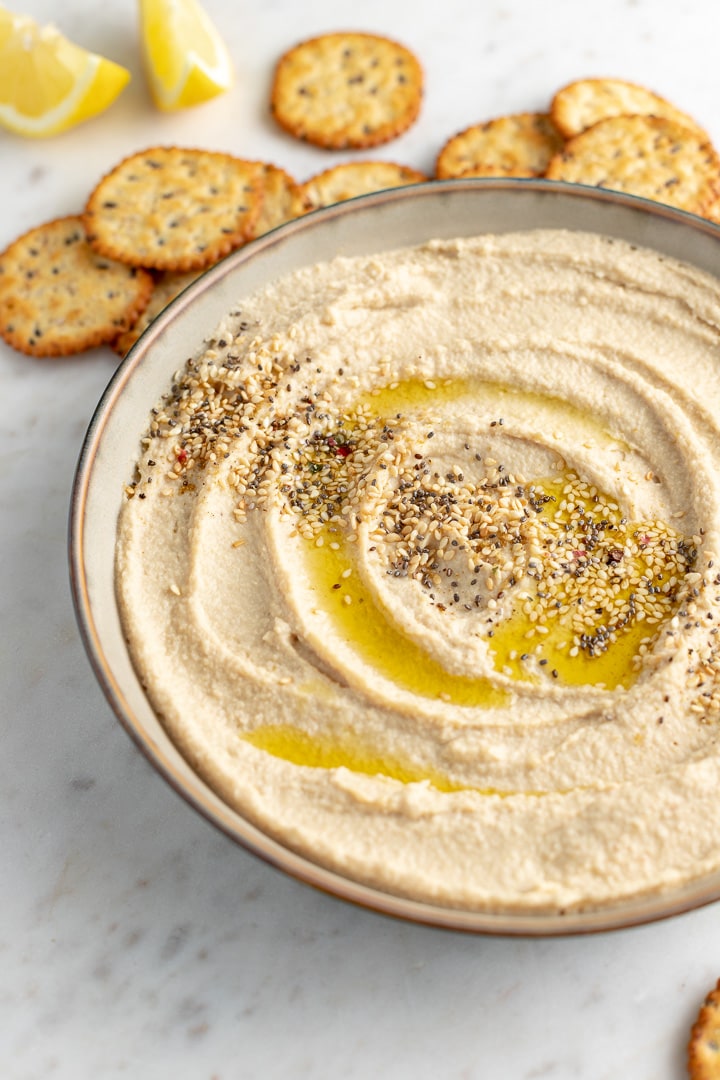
{"x": 135, "y": 941}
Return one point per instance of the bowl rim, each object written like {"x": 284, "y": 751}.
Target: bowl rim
{"x": 624, "y": 914}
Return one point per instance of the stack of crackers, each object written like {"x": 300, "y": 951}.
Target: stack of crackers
{"x": 601, "y": 132}
{"x": 150, "y": 226}
{"x": 162, "y": 216}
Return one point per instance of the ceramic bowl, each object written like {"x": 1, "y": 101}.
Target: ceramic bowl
{"x": 371, "y": 223}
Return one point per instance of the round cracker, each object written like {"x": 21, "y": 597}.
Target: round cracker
{"x": 586, "y": 102}
{"x": 356, "y": 178}
{"x": 58, "y": 296}
{"x": 347, "y": 90}
{"x": 704, "y": 1045}
{"x": 169, "y": 208}
{"x": 166, "y": 287}
{"x": 495, "y": 172}
{"x": 712, "y": 211}
{"x": 282, "y": 200}
{"x": 643, "y": 155}
{"x": 518, "y": 145}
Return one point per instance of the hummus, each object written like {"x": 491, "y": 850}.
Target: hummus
{"x": 420, "y": 569}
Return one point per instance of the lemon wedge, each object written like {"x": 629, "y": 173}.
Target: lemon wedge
{"x": 48, "y": 84}
{"x": 185, "y": 57}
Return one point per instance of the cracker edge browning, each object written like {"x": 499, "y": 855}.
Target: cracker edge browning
{"x": 385, "y": 134}
{"x": 556, "y": 111}
{"x": 292, "y": 189}
{"x": 709, "y": 1011}
{"x": 125, "y": 340}
{"x": 712, "y": 197}
{"x": 200, "y": 262}
{"x": 90, "y": 339}
{"x": 441, "y": 172}
{"x": 415, "y": 176}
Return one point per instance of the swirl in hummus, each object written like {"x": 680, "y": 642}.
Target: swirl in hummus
{"x": 419, "y": 568}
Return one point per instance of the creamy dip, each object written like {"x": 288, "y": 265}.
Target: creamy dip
{"x": 418, "y": 568}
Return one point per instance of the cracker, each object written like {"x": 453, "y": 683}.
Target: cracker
{"x": 712, "y": 211}
{"x": 166, "y": 287}
{"x": 495, "y": 172}
{"x": 58, "y": 296}
{"x": 585, "y": 102}
{"x": 347, "y": 90}
{"x": 169, "y": 208}
{"x": 282, "y": 200}
{"x": 518, "y": 145}
{"x": 704, "y": 1045}
{"x": 643, "y": 155}
{"x": 356, "y": 178}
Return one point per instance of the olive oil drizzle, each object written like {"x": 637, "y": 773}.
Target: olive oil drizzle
{"x": 600, "y": 596}
{"x": 323, "y": 751}
{"x": 546, "y": 638}
{"x": 377, "y": 639}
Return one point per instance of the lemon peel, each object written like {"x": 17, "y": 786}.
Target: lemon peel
{"x": 186, "y": 59}
{"x": 47, "y": 83}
